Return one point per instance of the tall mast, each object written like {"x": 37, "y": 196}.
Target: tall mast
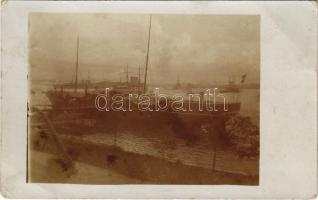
{"x": 139, "y": 79}
{"x": 127, "y": 81}
{"x": 147, "y": 57}
{"x": 76, "y": 74}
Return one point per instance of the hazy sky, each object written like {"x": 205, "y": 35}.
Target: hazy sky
{"x": 198, "y": 48}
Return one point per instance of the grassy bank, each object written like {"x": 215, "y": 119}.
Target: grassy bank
{"x": 144, "y": 168}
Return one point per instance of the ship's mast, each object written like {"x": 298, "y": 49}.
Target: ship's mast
{"x": 139, "y": 79}
{"x": 76, "y": 73}
{"x": 147, "y": 57}
{"x": 127, "y": 78}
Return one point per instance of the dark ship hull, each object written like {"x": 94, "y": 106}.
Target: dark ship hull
{"x": 187, "y": 124}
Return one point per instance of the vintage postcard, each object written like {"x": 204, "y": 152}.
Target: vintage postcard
{"x": 151, "y": 98}
{"x": 158, "y": 99}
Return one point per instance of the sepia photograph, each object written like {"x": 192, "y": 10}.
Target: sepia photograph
{"x": 143, "y": 98}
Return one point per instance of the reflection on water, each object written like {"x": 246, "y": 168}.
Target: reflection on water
{"x": 197, "y": 155}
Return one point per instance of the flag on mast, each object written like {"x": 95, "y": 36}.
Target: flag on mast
{"x": 243, "y": 78}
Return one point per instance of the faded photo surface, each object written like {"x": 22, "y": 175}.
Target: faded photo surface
{"x": 143, "y": 99}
